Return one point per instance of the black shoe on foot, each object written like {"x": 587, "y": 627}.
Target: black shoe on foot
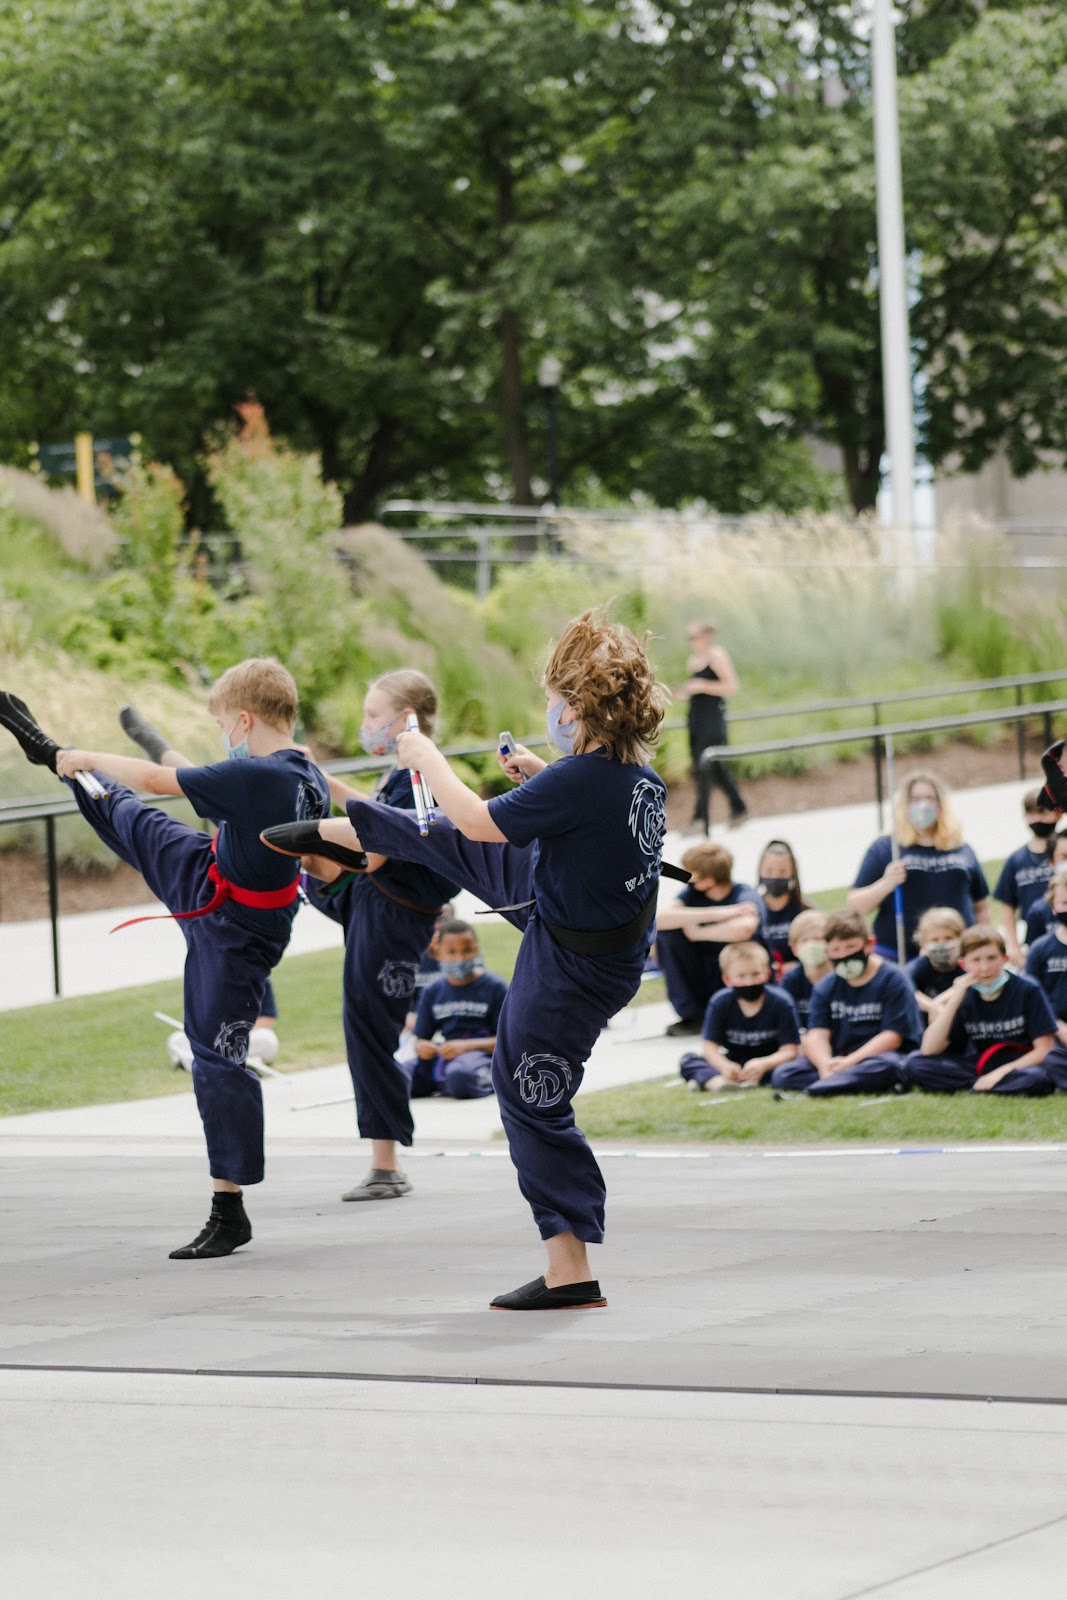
{"x": 18, "y": 719}
{"x": 537, "y": 1296}
{"x": 683, "y": 1028}
{"x": 226, "y": 1230}
{"x": 304, "y": 839}
{"x": 141, "y": 731}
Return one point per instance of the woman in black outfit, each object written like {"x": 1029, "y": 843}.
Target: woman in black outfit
{"x": 711, "y": 679}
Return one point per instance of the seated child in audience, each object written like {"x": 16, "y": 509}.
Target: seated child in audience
{"x": 862, "y": 1020}
{"x": 749, "y": 1027}
{"x": 937, "y": 966}
{"x": 991, "y": 1032}
{"x": 455, "y": 1027}
{"x": 429, "y": 972}
{"x": 692, "y": 930}
{"x": 1026, "y": 872}
{"x": 807, "y": 942}
{"x": 1047, "y": 965}
{"x": 782, "y": 901}
{"x": 1039, "y": 912}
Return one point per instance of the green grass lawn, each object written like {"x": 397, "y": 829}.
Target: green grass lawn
{"x": 663, "y": 1113}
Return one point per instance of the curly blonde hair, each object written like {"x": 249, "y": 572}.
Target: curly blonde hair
{"x": 601, "y": 670}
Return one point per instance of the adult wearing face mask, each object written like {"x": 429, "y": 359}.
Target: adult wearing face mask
{"x": 862, "y": 1019}
{"x": 935, "y": 867}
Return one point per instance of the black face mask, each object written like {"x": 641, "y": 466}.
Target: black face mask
{"x": 749, "y": 991}
{"x": 1060, "y": 917}
{"x": 1042, "y": 830}
{"x": 776, "y": 886}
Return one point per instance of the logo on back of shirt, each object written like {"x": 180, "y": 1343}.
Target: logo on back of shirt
{"x": 542, "y": 1080}
{"x": 231, "y": 1041}
{"x": 397, "y": 979}
{"x": 648, "y": 819}
{"x": 310, "y": 805}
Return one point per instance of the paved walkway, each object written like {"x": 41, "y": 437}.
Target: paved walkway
{"x": 829, "y": 845}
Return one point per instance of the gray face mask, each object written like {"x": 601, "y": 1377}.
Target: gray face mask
{"x": 236, "y": 752}
{"x": 560, "y": 734}
{"x": 465, "y": 968}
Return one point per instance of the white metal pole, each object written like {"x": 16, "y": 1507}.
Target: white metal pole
{"x": 896, "y": 347}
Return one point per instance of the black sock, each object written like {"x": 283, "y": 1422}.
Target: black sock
{"x": 230, "y": 1207}
{"x": 36, "y": 746}
{"x": 141, "y": 731}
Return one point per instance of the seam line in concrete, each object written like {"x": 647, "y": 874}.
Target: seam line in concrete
{"x": 950, "y": 1561}
{"x": 460, "y": 1379}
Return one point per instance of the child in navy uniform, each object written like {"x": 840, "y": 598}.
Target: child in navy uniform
{"x": 862, "y": 1021}
{"x": 455, "y": 1029}
{"x": 781, "y": 901}
{"x": 1047, "y": 965}
{"x": 991, "y": 1033}
{"x": 807, "y": 944}
{"x": 693, "y": 929}
{"x": 1039, "y": 911}
{"x": 235, "y": 900}
{"x": 749, "y": 1027}
{"x": 937, "y": 966}
{"x": 1026, "y": 872}
{"x": 572, "y": 857}
{"x": 388, "y": 914}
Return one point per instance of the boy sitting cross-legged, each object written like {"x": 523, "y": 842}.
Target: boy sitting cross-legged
{"x": 861, "y": 1021}
{"x": 749, "y": 1027}
{"x": 992, "y": 1030}
{"x": 455, "y": 1028}
{"x": 235, "y": 898}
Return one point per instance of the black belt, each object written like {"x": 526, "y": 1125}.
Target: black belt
{"x": 604, "y": 941}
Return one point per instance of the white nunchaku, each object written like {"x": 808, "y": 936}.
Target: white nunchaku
{"x": 91, "y": 785}
{"x": 424, "y": 800}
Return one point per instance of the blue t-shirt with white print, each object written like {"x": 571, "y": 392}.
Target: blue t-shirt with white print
{"x": 799, "y": 987}
{"x": 743, "y": 1037}
{"x": 935, "y": 878}
{"x": 854, "y": 1015}
{"x": 1023, "y": 878}
{"x": 774, "y": 928}
{"x": 461, "y": 1010}
{"x": 1047, "y": 965}
{"x": 1019, "y": 1014}
{"x": 599, "y": 826}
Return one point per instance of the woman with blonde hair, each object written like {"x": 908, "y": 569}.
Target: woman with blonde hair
{"x": 935, "y": 866}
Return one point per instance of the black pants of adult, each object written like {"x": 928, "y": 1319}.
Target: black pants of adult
{"x": 712, "y": 775}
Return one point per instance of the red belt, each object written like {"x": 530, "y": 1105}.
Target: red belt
{"x": 262, "y": 899}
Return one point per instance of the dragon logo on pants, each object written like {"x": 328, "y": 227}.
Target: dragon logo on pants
{"x": 397, "y": 979}
{"x": 543, "y": 1080}
{"x": 648, "y": 819}
{"x": 231, "y": 1042}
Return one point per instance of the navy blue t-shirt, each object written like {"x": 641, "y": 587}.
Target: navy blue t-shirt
{"x": 799, "y": 987}
{"x": 935, "y": 878}
{"x": 461, "y": 1010}
{"x": 854, "y": 1016}
{"x": 418, "y": 885}
{"x": 246, "y": 796}
{"x": 599, "y": 826}
{"x": 704, "y": 953}
{"x": 1038, "y": 920}
{"x": 772, "y": 1026}
{"x": 1047, "y": 965}
{"x": 1019, "y": 1014}
{"x": 1023, "y": 879}
{"x": 775, "y": 926}
{"x": 927, "y": 979}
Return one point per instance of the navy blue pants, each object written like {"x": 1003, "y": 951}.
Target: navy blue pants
{"x": 1054, "y": 1066}
{"x": 227, "y": 963}
{"x": 384, "y": 943}
{"x": 468, "y": 1076}
{"x": 691, "y": 970}
{"x": 955, "y": 1075}
{"x": 872, "y": 1076}
{"x": 552, "y": 1016}
{"x": 696, "y": 1068}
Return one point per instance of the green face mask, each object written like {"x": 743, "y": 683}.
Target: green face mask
{"x": 812, "y": 952}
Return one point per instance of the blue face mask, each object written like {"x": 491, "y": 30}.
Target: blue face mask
{"x": 988, "y": 990}
{"x": 560, "y": 734}
{"x": 236, "y": 752}
{"x": 377, "y": 741}
{"x": 460, "y": 969}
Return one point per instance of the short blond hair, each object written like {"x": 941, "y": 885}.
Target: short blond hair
{"x": 742, "y": 951}
{"x": 262, "y": 686}
{"x": 602, "y": 672}
{"x": 808, "y": 925}
{"x": 712, "y": 861}
{"x": 938, "y": 917}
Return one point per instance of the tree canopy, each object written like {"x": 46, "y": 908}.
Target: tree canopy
{"x": 380, "y": 216}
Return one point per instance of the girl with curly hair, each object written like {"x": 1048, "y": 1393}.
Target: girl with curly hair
{"x": 572, "y": 857}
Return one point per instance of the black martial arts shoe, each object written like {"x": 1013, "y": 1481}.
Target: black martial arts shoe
{"x": 304, "y": 839}
{"x": 18, "y": 719}
{"x": 683, "y": 1028}
{"x": 537, "y": 1296}
{"x": 225, "y": 1231}
{"x": 380, "y": 1184}
{"x": 141, "y": 731}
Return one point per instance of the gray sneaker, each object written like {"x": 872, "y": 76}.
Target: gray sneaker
{"x": 380, "y": 1185}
